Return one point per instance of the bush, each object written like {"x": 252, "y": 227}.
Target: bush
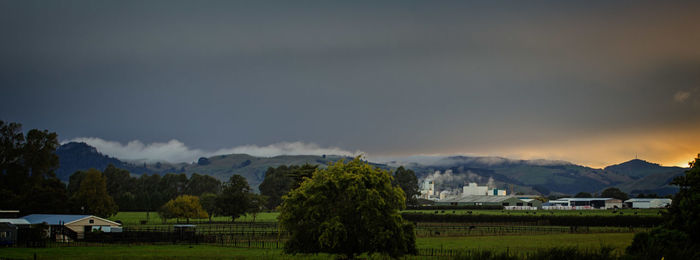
{"x": 663, "y": 244}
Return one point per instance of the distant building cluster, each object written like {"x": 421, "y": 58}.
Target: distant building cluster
{"x": 472, "y": 194}
{"x": 428, "y": 191}
{"x": 606, "y": 203}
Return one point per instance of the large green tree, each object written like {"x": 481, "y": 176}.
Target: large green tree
{"x": 148, "y": 195}
{"x": 408, "y": 182}
{"x": 300, "y": 173}
{"x": 583, "y": 195}
{"x": 278, "y": 181}
{"x": 185, "y": 206}
{"x": 679, "y": 236}
{"x": 684, "y": 213}
{"x": 208, "y": 201}
{"x": 234, "y": 199}
{"x": 200, "y": 184}
{"x": 256, "y": 203}
{"x": 614, "y": 193}
{"x": 92, "y": 197}
{"x": 27, "y": 171}
{"x": 348, "y": 209}
{"x": 173, "y": 185}
{"x": 122, "y": 187}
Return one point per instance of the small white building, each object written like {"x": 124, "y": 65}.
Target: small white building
{"x": 647, "y": 203}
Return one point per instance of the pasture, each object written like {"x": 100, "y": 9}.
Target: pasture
{"x": 129, "y": 219}
{"x": 133, "y": 218}
{"x": 226, "y": 239}
{"x": 528, "y": 243}
{"x": 517, "y": 243}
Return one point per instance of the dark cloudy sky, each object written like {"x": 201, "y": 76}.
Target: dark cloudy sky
{"x": 592, "y": 82}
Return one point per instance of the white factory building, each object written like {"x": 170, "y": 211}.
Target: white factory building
{"x": 428, "y": 191}
{"x": 583, "y": 203}
{"x": 647, "y": 203}
{"x": 474, "y": 189}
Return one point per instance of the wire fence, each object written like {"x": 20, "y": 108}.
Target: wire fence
{"x": 482, "y": 229}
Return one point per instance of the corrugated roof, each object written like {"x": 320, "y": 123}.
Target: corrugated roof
{"x": 584, "y": 199}
{"x": 647, "y": 199}
{"x": 478, "y": 198}
{"x": 53, "y": 219}
{"x": 15, "y": 221}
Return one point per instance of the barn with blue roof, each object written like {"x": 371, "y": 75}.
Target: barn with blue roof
{"x": 80, "y": 224}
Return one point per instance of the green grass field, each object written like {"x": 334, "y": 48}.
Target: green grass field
{"x": 619, "y": 241}
{"x": 141, "y": 252}
{"x": 518, "y": 243}
{"x": 133, "y": 218}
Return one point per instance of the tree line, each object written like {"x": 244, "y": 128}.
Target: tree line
{"x": 28, "y": 164}
{"x": 172, "y": 195}
{"x": 28, "y": 182}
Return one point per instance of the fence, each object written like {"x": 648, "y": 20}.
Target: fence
{"x": 541, "y": 220}
{"x": 493, "y": 230}
{"x": 240, "y": 229}
{"x": 169, "y": 235}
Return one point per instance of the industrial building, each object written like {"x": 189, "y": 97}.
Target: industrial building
{"x": 583, "y": 203}
{"x": 474, "y": 189}
{"x": 647, "y": 203}
{"x": 508, "y": 202}
{"x": 427, "y": 190}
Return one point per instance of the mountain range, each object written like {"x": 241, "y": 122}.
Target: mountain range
{"x": 449, "y": 173}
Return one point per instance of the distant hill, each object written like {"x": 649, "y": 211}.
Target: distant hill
{"x": 649, "y": 177}
{"x": 544, "y": 177}
{"x": 525, "y": 176}
{"x": 75, "y": 156}
{"x": 80, "y": 156}
{"x": 639, "y": 168}
{"x": 251, "y": 167}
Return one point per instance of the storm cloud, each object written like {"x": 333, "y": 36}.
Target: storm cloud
{"x": 396, "y": 78}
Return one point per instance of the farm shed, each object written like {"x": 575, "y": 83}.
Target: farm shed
{"x": 532, "y": 203}
{"x": 479, "y": 200}
{"x": 9, "y": 213}
{"x": 15, "y": 221}
{"x": 613, "y": 204}
{"x": 8, "y": 234}
{"x": 584, "y": 203}
{"x": 647, "y": 203}
{"x": 80, "y": 224}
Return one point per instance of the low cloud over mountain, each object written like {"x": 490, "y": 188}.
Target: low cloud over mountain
{"x": 176, "y": 151}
